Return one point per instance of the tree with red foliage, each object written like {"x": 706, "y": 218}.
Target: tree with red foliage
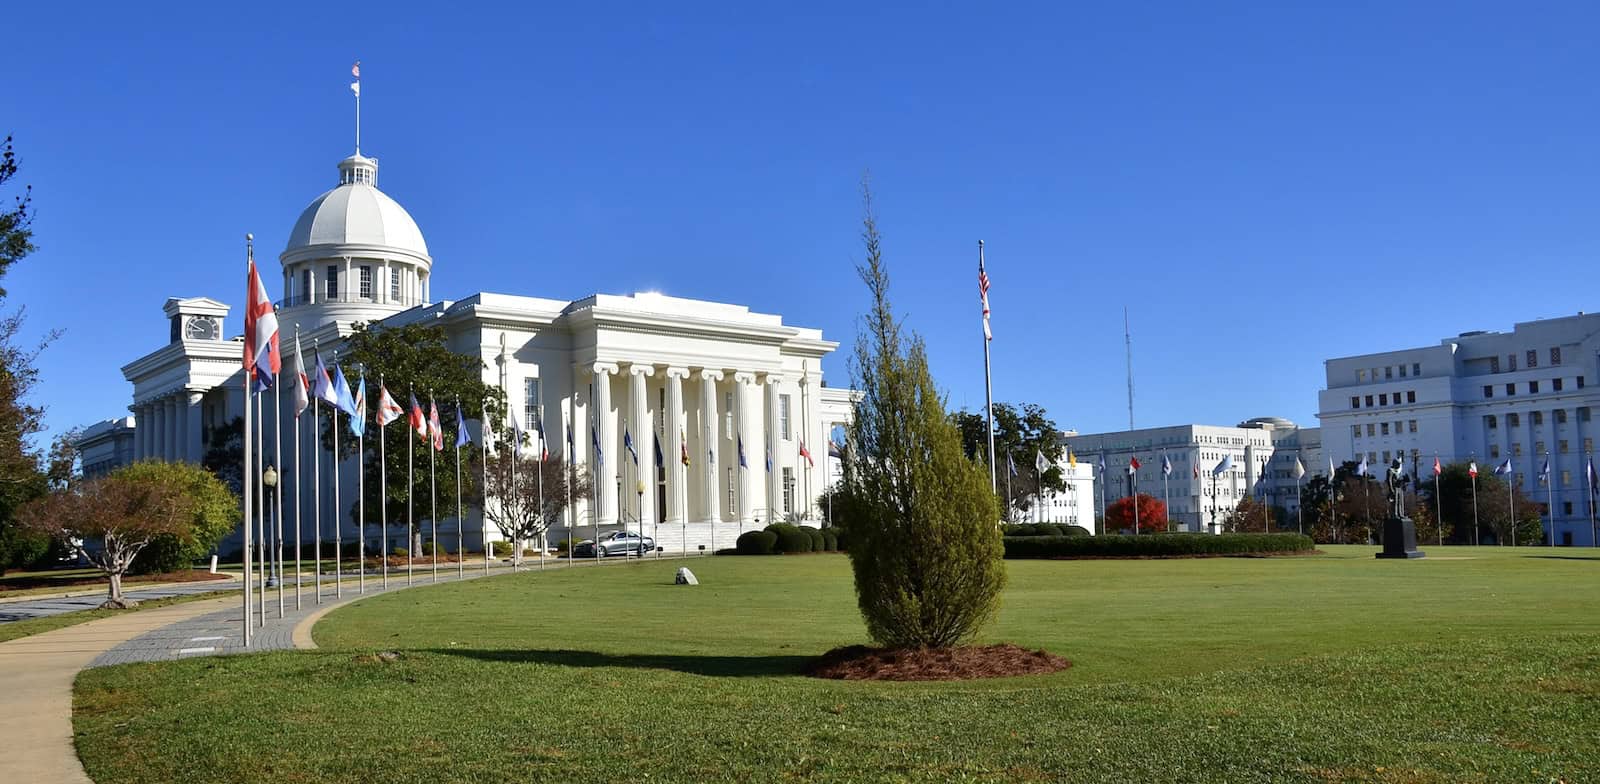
{"x": 1152, "y": 515}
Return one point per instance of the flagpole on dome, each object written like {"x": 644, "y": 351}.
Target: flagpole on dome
{"x": 355, "y": 87}
{"x": 988, "y": 384}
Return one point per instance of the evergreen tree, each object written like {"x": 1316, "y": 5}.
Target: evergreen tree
{"x": 921, "y": 519}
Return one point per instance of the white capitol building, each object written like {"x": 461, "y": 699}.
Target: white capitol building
{"x": 710, "y": 372}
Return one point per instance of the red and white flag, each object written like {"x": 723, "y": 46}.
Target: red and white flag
{"x": 261, "y": 360}
{"x": 419, "y": 421}
{"x": 388, "y": 409}
{"x": 806, "y": 453}
{"x": 434, "y": 426}
{"x": 1472, "y": 469}
{"x": 1437, "y": 469}
{"x": 1133, "y": 464}
{"x": 983, "y": 295}
{"x": 302, "y": 385}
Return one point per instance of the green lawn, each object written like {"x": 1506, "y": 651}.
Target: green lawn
{"x": 1473, "y": 665}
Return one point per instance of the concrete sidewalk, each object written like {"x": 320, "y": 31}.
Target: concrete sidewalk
{"x": 23, "y": 608}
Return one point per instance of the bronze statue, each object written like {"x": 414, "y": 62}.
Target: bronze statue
{"x": 1395, "y": 482}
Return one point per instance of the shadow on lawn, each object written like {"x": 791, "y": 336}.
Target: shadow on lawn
{"x": 1589, "y": 558}
{"x": 720, "y": 666}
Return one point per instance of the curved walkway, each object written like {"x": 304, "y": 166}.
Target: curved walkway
{"x": 37, "y": 672}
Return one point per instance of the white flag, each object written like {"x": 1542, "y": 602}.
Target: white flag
{"x": 1222, "y": 467}
{"x": 1039, "y": 462}
{"x": 1299, "y": 468}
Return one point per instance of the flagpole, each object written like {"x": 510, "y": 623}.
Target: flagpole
{"x": 338, "y": 514}
{"x": 1511, "y": 500}
{"x": 566, "y": 480}
{"x": 544, "y": 528}
{"x": 461, "y": 549}
{"x": 1438, "y": 498}
{"x": 433, "y": 485}
{"x": 261, "y": 506}
{"x": 249, "y": 488}
{"x": 411, "y": 492}
{"x": 1550, "y": 493}
{"x": 483, "y": 503}
{"x": 316, "y": 470}
{"x": 299, "y": 473}
{"x": 383, "y": 483}
{"x": 1588, "y": 473}
{"x": 988, "y": 384}
{"x": 1166, "y": 494}
{"x": 1133, "y": 483}
{"x": 1474, "y": 503}
{"x": 361, "y": 489}
{"x": 1038, "y": 498}
{"x": 277, "y": 487}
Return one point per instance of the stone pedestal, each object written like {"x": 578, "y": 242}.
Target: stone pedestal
{"x": 1400, "y": 539}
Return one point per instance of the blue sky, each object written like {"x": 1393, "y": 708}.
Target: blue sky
{"x": 1263, "y": 186}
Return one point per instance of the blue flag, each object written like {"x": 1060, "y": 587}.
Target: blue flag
{"x": 462, "y": 437}
{"x": 659, "y": 462}
{"x": 358, "y": 420}
{"x": 1011, "y": 465}
{"x": 627, "y": 443}
{"x": 345, "y": 401}
{"x": 741, "y": 452}
{"x": 769, "y": 458}
{"x": 1503, "y": 468}
{"x": 594, "y": 440}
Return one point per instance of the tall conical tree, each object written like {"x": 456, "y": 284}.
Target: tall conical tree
{"x": 920, "y": 517}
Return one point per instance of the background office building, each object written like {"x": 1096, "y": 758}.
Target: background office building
{"x": 1525, "y": 395}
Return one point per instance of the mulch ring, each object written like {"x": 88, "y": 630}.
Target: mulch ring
{"x": 968, "y": 662}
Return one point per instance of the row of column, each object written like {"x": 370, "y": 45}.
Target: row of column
{"x": 168, "y": 427}
{"x": 755, "y": 430}
{"x": 413, "y": 288}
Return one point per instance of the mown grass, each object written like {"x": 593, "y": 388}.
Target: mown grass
{"x": 1331, "y": 668}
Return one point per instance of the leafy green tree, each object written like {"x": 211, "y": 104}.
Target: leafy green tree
{"x": 215, "y": 514}
{"x": 415, "y": 359}
{"x": 1021, "y": 433}
{"x": 920, "y": 517}
{"x": 16, "y": 224}
{"x": 21, "y": 479}
{"x": 224, "y": 455}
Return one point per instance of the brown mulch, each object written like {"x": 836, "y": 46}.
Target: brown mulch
{"x": 967, "y": 662}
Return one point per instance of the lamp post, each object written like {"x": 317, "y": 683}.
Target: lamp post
{"x": 269, "y": 480}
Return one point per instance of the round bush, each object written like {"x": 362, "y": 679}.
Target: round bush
{"x": 1074, "y": 530}
{"x": 756, "y": 543}
{"x": 790, "y": 538}
{"x": 830, "y": 540}
{"x": 819, "y": 543}
{"x": 1049, "y": 529}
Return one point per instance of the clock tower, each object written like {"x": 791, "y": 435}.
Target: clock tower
{"x": 195, "y": 319}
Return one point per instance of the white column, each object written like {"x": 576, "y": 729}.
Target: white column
{"x": 672, "y": 422}
{"x": 746, "y": 418}
{"x": 605, "y": 426}
{"x": 643, "y": 444}
{"x": 578, "y": 413}
{"x": 709, "y": 418}
{"x": 311, "y": 291}
{"x": 773, "y": 441}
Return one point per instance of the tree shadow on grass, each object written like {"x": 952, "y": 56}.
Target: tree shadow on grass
{"x": 717, "y": 666}
{"x": 1589, "y": 558}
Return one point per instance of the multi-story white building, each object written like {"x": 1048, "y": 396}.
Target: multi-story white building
{"x": 705, "y": 378}
{"x": 1524, "y": 395}
{"x": 1195, "y": 498}
{"x": 1071, "y": 506}
{"x": 103, "y": 446}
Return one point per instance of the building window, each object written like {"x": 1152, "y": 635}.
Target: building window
{"x": 1383, "y": 428}
{"x": 1386, "y": 456}
{"x": 1416, "y": 368}
{"x": 1513, "y": 420}
{"x": 1566, "y": 506}
{"x": 1369, "y": 401}
{"x": 1402, "y": 371}
{"x": 1533, "y": 387}
{"x": 1494, "y": 451}
{"x": 1355, "y": 401}
{"x": 1372, "y": 430}
{"x": 1566, "y": 480}
{"x": 305, "y": 284}
{"x": 1361, "y": 376}
{"x": 783, "y": 417}
{"x": 332, "y": 286}
{"x": 1516, "y": 451}
{"x": 1588, "y": 445}
{"x": 1561, "y": 446}
{"x": 1538, "y": 447}
{"x": 1411, "y": 425}
{"x": 366, "y": 282}
{"x": 1491, "y": 422}
{"x": 1580, "y": 382}
{"x": 1355, "y": 431}
{"x": 1583, "y": 414}
{"x": 1411, "y": 396}
{"x": 1494, "y": 364}
{"x": 732, "y": 508}
{"x": 394, "y": 285}
{"x": 727, "y": 415}
{"x": 1533, "y": 359}
{"x": 1388, "y": 372}
{"x": 788, "y": 490}
{"x": 1511, "y": 363}
{"x": 1561, "y": 416}
{"x": 1488, "y": 390}
{"x": 1555, "y": 355}
{"x": 1555, "y": 384}
{"x": 1538, "y": 418}
{"x": 1511, "y": 389}
{"x": 1383, "y": 400}
{"x": 530, "y": 403}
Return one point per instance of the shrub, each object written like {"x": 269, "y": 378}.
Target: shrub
{"x": 1166, "y": 545}
{"x": 1074, "y": 530}
{"x": 840, "y": 535}
{"x": 216, "y": 514}
{"x": 830, "y": 540}
{"x": 819, "y": 543}
{"x": 755, "y": 543}
{"x": 1049, "y": 529}
{"x": 401, "y": 552}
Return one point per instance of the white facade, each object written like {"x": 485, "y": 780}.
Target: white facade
{"x": 1197, "y": 500}
{"x": 104, "y": 446}
{"x": 1525, "y": 395}
{"x": 700, "y": 376}
{"x": 1072, "y": 506}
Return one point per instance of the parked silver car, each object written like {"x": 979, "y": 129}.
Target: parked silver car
{"x": 615, "y": 543}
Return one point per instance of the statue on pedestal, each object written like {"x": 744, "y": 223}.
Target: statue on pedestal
{"x": 1399, "y": 533}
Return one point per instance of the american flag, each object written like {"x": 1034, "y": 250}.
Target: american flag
{"x": 983, "y": 294}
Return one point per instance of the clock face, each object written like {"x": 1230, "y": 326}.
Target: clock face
{"x": 201, "y": 329}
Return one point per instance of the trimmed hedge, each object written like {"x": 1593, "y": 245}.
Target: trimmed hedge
{"x": 790, "y": 538}
{"x": 1074, "y": 530}
{"x": 830, "y": 540}
{"x": 819, "y": 543}
{"x": 756, "y": 543}
{"x": 1164, "y": 545}
{"x": 1044, "y": 529}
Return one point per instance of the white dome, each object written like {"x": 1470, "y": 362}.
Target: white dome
{"x": 356, "y": 214}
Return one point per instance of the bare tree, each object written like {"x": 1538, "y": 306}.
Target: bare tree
{"x": 528, "y": 495}
{"x": 120, "y": 513}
